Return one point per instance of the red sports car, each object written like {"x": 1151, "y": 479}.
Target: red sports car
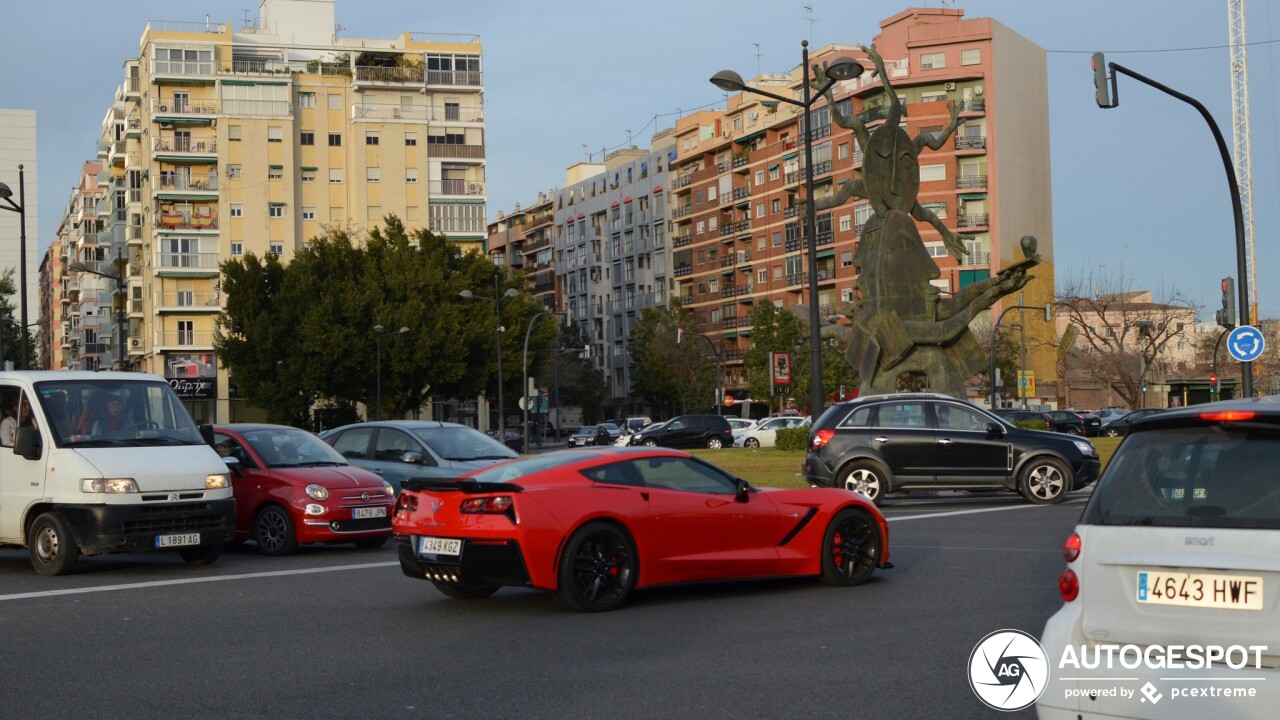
{"x": 291, "y": 487}
{"x": 594, "y": 525}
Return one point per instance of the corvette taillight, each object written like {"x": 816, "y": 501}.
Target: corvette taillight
{"x": 495, "y": 505}
{"x": 406, "y": 502}
{"x": 1071, "y": 548}
{"x": 822, "y": 437}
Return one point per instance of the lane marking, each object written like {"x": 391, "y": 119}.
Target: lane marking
{"x": 191, "y": 581}
{"x": 974, "y": 549}
{"x": 971, "y": 512}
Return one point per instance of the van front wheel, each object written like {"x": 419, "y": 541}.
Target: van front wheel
{"x": 52, "y": 546}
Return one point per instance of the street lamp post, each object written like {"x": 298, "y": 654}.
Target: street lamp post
{"x": 20, "y": 207}
{"x": 843, "y": 69}
{"x": 118, "y": 279}
{"x": 377, "y": 334}
{"x": 995, "y": 331}
{"x": 524, "y": 372}
{"x": 497, "y": 312}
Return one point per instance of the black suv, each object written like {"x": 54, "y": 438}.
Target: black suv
{"x": 688, "y": 431}
{"x": 885, "y": 443}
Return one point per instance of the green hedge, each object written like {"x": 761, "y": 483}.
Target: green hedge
{"x": 792, "y": 438}
{"x": 1031, "y": 424}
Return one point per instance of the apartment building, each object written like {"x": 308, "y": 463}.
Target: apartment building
{"x": 611, "y": 256}
{"x": 524, "y": 240}
{"x": 226, "y": 140}
{"x": 738, "y": 180}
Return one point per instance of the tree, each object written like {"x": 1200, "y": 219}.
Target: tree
{"x": 1122, "y": 331}
{"x": 678, "y": 377}
{"x": 775, "y": 330}
{"x": 294, "y": 335}
{"x": 10, "y": 326}
{"x": 580, "y": 383}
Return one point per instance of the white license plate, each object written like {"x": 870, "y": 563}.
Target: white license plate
{"x": 166, "y": 541}
{"x": 361, "y": 513}
{"x": 1226, "y": 592}
{"x": 440, "y": 546}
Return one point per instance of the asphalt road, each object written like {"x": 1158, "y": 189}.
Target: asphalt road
{"x": 341, "y": 633}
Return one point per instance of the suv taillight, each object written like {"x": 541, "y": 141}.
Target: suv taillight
{"x": 820, "y": 438}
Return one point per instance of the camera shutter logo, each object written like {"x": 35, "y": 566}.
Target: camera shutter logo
{"x": 1008, "y": 670}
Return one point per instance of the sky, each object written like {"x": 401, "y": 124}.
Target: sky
{"x": 1140, "y": 194}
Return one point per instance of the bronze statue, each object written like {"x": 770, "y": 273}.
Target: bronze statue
{"x": 901, "y": 322}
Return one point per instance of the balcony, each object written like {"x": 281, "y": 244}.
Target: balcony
{"x": 740, "y": 163}
{"x": 731, "y": 355}
{"x": 457, "y": 187}
{"x": 792, "y": 245}
{"x": 971, "y": 107}
{"x": 791, "y": 212}
{"x": 972, "y": 220}
{"x": 174, "y": 108}
{"x": 971, "y": 142}
{"x": 459, "y": 152}
{"x": 366, "y": 75}
{"x": 971, "y": 181}
{"x": 977, "y": 259}
{"x": 791, "y": 178}
{"x": 795, "y": 280}
{"x": 201, "y": 339}
{"x": 184, "y": 221}
{"x": 193, "y": 301}
{"x": 726, "y": 229}
{"x": 683, "y": 181}
{"x": 187, "y": 263}
{"x": 821, "y": 168}
{"x": 742, "y": 226}
{"x": 681, "y": 241}
{"x": 723, "y": 167}
{"x": 826, "y": 274}
{"x": 729, "y": 291}
{"x": 682, "y": 270}
{"x": 741, "y": 193}
{"x": 682, "y": 211}
{"x": 177, "y": 149}
{"x": 468, "y": 78}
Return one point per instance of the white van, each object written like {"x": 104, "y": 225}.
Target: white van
{"x": 105, "y": 462}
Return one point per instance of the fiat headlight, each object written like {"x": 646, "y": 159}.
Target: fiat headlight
{"x": 386, "y": 488}
{"x": 217, "y": 481}
{"x": 317, "y": 492}
{"x": 108, "y": 485}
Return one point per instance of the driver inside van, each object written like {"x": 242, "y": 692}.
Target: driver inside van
{"x": 104, "y": 414}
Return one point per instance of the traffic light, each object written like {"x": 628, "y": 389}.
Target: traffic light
{"x": 842, "y": 393}
{"x": 1226, "y": 317}
{"x": 679, "y": 335}
{"x": 1144, "y": 388}
{"x": 1213, "y": 383}
{"x": 1101, "y": 89}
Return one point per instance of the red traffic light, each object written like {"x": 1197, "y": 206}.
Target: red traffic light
{"x": 1213, "y": 378}
{"x": 1224, "y": 286}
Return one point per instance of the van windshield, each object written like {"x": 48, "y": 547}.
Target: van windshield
{"x": 115, "y": 413}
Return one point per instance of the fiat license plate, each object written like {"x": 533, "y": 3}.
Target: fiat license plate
{"x": 183, "y": 540}
{"x": 440, "y": 546}
{"x": 1206, "y": 590}
{"x": 361, "y": 513}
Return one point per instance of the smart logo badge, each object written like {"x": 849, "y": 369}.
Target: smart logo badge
{"x": 1008, "y": 670}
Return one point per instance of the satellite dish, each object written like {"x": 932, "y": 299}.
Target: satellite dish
{"x": 977, "y": 90}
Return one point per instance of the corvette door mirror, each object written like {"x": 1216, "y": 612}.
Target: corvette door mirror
{"x": 744, "y": 491}
{"x": 995, "y": 430}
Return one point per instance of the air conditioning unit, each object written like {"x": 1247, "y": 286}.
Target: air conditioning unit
{"x": 135, "y": 343}
{"x": 950, "y": 86}
{"x": 164, "y": 108}
{"x": 474, "y": 188}
{"x": 725, "y": 133}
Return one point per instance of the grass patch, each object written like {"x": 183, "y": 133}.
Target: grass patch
{"x": 782, "y": 468}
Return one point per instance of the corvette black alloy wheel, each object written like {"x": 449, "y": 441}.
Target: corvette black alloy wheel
{"x": 851, "y": 549}
{"x": 598, "y": 569}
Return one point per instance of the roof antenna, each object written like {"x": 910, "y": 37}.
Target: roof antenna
{"x": 757, "y": 58}
{"x": 809, "y": 9}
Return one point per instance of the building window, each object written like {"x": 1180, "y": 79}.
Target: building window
{"x": 939, "y": 209}
{"x": 773, "y": 173}
{"x": 276, "y": 211}
{"x": 845, "y": 223}
{"x": 275, "y": 172}
{"x": 307, "y": 137}
{"x": 276, "y": 249}
{"x": 972, "y": 56}
{"x": 237, "y": 210}
{"x": 411, "y": 138}
{"x": 335, "y": 139}
{"x": 933, "y": 61}
{"x": 776, "y": 205}
{"x": 933, "y": 173}
{"x": 275, "y": 134}
{"x": 308, "y": 212}
{"x": 306, "y": 100}
{"x": 777, "y": 239}
{"x": 335, "y": 175}
{"x": 411, "y": 175}
{"x": 373, "y": 175}
{"x": 308, "y": 176}
{"x": 233, "y": 133}
{"x": 371, "y": 138}
{"x": 762, "y": 276}
{"x": 335, "y": 101}
{"x": 759, "y": 177}
{"x": 233, "y": 171}
{"x": 237, "y": 249}
{"x": 186, "y": 332}
{"x": 846, "y": 259}
{"x": 842, "y": 151}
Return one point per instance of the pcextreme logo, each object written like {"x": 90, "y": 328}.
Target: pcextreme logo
{"x": 1008, "y": 670}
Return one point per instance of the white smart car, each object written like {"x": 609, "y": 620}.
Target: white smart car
{"x": 1172, "y": 584}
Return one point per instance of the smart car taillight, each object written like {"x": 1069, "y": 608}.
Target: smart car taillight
{"x": 820, "y": 438}
{"x": 1068, "y": 585}
{"x": 1071, "y": 548}
{"x": 495, "y": 505}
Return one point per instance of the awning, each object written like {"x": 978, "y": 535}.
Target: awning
{"x": 730, "y": 335}
{"x": 276, "y": 167}
{"x": 615, "y": 204}
{"x": 791, "y": 154}
{"x": 829, "y": 252}
{"x": 582, "y": 216}
{"x": 773, "y": 166}
{"x": 571, "y": 218}
{"x": 308, "y": 167}
{"x": 657, "y": 189}
{"x": 626, "y": 199}
{"x": 752, "y": 136}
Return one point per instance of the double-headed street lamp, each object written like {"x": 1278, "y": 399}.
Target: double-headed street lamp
{"x": 118, "y": 278}
{"x": 524, "y": 373}
{"x": 843, "y": 69}
{"x": 20, "y": 207}
{"x": 377, "y": 334}
{"x": 497, "y": 313}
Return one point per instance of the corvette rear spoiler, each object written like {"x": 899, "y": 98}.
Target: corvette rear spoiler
{"x": 466, "y": 486}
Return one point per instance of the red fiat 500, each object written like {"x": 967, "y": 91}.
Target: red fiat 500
{"x": 292, "y": 488}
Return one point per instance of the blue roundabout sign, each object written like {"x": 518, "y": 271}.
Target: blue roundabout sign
{"x": 1246, "y": 343}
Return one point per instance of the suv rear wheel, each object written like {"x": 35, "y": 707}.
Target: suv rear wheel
{"x": 714, "y": 443}
{"x": 1044, "y": 480}
{"x": 865, "y": 477}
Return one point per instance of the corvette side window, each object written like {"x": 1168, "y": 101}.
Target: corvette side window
{"x": 681, "y": 474}
{"x": 614, "y": 474}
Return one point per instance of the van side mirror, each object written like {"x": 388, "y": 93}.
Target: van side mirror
{"x": 233, "y": 464}
{"x": 995, "y": 430}
{"x": 206, "y": 434}
{"x": 26, "y": 442}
